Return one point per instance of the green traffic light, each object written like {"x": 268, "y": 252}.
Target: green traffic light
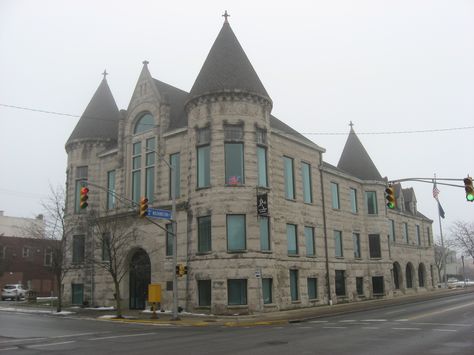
{"x": 391, "y": 205}
{"x": 470, "y": 197}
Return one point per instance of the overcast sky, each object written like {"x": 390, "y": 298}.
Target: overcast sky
{"x": 384, "y": 65}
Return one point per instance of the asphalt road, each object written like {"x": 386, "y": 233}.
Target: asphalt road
{"x": 441, "y": 326}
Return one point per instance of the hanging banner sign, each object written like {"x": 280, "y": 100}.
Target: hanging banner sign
{"x": 262, "y": 204}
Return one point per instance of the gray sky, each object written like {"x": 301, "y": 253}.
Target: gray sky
{"x": 386, "y": 65}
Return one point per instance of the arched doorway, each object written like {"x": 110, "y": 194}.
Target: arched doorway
{"x": 140, "y": 277}
{"x": 397, "y": 275}
{"x": 409, "y": 275}
{"x": 421, "y": 275}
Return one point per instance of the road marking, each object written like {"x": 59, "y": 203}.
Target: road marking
{"x": 370, "y": 327}
{"x": 441, "y": 311}
{"x": 318, "y": 321}
{"x": 14, "y": 348}
{"x": 407, "y": 328}
{"x": 20, "y": 340}
{"x": 401, "y": 320}
{"x": 306, "y": 328}
{"x": 347, "y": 321}
{"x": 335, "y": 327}
{"x": 445, "y": 330}
{"x": 122, "y": 336}
{"x": 75, "y": 335}
{"x": 50, "y": 344}
{"x": 446, "y": 324}
{"x": 374, "y": 320}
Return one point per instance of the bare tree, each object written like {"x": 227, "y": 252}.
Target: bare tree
{"x": 462, "y": 234}
{"x": 113, "y": 234}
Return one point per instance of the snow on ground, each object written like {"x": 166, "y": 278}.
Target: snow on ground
{"x": 33, "y": 310}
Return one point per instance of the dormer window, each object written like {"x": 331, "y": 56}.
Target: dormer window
{"x": 144, "y": 123}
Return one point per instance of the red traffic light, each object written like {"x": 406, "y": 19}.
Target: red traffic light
{"x": 84, "y": 197}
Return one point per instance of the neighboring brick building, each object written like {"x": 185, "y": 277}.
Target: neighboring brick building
{"x": 327, "y": 237}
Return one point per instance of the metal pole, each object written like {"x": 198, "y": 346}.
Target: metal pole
{"x": 175, "y": 243}
{"x": 442, "y": 243}
{"x": 463, "y": 274}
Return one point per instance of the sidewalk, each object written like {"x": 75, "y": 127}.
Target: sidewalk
{"x": 267, "y": 318}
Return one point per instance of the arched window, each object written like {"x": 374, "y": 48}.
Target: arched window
{"x": 421, "y": 275}
{"x": 396, "y": 275}
{"x": 144, "y": 123}
{"x": 409, "y": 275}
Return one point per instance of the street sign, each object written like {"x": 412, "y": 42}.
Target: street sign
{"x": 258, "y": 274}
{"x": 157, "y": 213}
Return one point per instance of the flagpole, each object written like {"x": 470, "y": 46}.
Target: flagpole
{"x": 442, "y": 242}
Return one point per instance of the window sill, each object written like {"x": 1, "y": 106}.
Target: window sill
{"x": 203, "y": 253}
{"x": 269, "y": 305}
{"x": 237, "y": 185}
{"x": 266, "y": 251}
{"x": 236, "y": 251}
{"x": 314, "y": 300}
{"x": 296, "y": 302}
{"x": 237, "y": 306}
{"x": 294, "y": 255}
{"x": 376, "y": 258}
{"x": 290, "y": 199}
{"x": 339, "y": 257}
{"x": 203, "y": 188}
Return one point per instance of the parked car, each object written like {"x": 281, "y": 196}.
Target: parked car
{"x": 13, "y": 292}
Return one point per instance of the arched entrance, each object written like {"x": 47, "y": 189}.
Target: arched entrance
{"x": 140, "y": 277}
{"x": 421, "y": 275}
{"x": 397, "y": 275}
{"x": 409, "y": 275}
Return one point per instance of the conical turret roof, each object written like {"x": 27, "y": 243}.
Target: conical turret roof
{"x": 356, "y": 161}
{"x": 227, "y": 68}
{"x": 100, "y": 118}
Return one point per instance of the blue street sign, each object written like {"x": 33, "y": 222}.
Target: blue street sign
{"x": 157, "y": 213}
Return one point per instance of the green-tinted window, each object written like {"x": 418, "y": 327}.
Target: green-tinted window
{"x": 267, "y": 285}
{"x": 391, "y": 229}
{"x": 175, "y": 174}
{"x": 262, "y": 166}
{"x": 203, "y": 166}
{"x": 338, "y": 244}
{"x": 294, "y": 288}
{"x": 111, "y": 189}
{"x": 356, "y": 240}
{"x": 204, "y": 234}
{"x": 292, "y": 238}
{"x": 335, "y": 195}
{"x": 306, "y": 178}
{"x": 234, "y": 163}
{"x": 237, "y": 292}
{"x": 77, "y": 293}
{"x": 312, "y": 288}
{"x": 289, "y": 178}
{"x": 309, "y": 239}
{"x": 236, "y": 239}
{"x": 78, "y": 248}
{"x": 340, "y": 281}
{"x": 150, "y": 169}
{"x": 371, "y": 202}
{"x": 353, "y": 198}
{"x": 144, "y": 123}
{"x": 264, "y": 233}
{"x": 204, "y": 293}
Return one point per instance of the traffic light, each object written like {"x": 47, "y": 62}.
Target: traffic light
{"x": 178, "y": 270}
{"x": 469, "y": 189}
{"x": 84, "y": 197}
{"x": 181, "y": 270}
{"x": 390, "y": 197}
{"x": 185, "y": 270}
{"x": 143, "y": 207}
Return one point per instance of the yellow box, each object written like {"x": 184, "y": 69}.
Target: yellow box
{"x": 154, "y": 293}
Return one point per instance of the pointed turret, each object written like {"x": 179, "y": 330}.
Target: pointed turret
{"x": 100, "y": 118}
{"x": 356, "y": 161}
{"x": 227, "y": 69}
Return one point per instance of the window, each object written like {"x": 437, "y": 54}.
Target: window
{"x": 111, "y": 189}
{"x": 233, "y": 133}
{"x": 261, "y": 136}
{"x": 169, "y": 239}
{"x": 236, "y": 233}
{"x": 264, "y": 233}
{"x": 338, "y": 244}
{"x": 136, "y": 170}
{"x": 234, "y": 163}
{"x": 421, "y": 275}
{"x": 106, "y": 247}
{"x": 428, "y": 235}
{"x": 48, "y": 257}
{"x": 203, "y": 166}
{"x": 374, "y": 246}
{"x": 267, "y": 287}
{"x": 150, "y": 169}
{"x": 418, "y": 235}
{"x": 405, "y": 232}
{"x": 371, "y": 202}
{"x": 409, "y": 275}
{"x": 78, "y": 248}
{"x": 294, "y": 289}
{"x": 204, "y": 293}
{"x": 204, "y": 234}
{"x": 237, "y": 292}
{"x": 306, "y": 179}
{"x": 391, "y": 230}
{"x": 309, "y": 239}
{"x": 356, "y": 240}
{"x": 169, "y": 285}
{"x": 144, "y": 123}
{"x": 312, "y": 288}
{"x": 26, "y": 252}
{"x": 353, "y": 198}
{"x": 335, "y": 195}
{"x": 81, "y": 179}
{"x": 292, "y": 239}
{"x": 340, "y": 283}
{"x": 377, "y": 285}
{"x": 262, "y": 179}
{"x": 360, "y": 286}
{"x": 175, "y": 174}
{"x": 77, "y": 292}
{"x": 289, "y": 178}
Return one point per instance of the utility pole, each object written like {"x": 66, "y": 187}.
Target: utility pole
{"x": 175, "y": 241}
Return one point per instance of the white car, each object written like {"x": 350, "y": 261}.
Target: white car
{"x": 14, "y": 292}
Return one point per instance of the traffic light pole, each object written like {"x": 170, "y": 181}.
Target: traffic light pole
{"x": 175, "y": 242}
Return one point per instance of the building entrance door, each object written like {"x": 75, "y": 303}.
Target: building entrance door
{"x": 140, "y": 277}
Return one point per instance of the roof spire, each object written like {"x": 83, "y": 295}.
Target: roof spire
{"x": 351, "y": 124}
{"x": 225, "y": 16}
{"x": 145, "y": 62}
{"x": 105, "y": 74}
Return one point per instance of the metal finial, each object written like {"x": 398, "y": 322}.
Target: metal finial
{"x": 351, "y": 124}
{"x": 225, "y": 16}
{"x": 145, "y": 62}
{"x": 105, "y": 73}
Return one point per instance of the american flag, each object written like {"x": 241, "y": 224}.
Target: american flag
{"x": 435, "y": 191}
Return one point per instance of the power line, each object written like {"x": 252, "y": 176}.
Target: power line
{"x": 433, "y": 130}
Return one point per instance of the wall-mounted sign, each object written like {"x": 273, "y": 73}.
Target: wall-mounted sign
{"x": 262, "y": 204}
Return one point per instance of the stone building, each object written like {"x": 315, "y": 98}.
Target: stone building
{"x": 325, "y": 236}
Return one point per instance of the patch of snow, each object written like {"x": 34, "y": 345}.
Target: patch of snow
{"x": 33, "y": 310}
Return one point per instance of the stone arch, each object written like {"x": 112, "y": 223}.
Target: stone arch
{"x": 143, "y": 123}
{"x": 409, "y": 275}
{"x": 139, "y": 278}
{"x": 397, "y": 275}
{"x": 421, "y": 275}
